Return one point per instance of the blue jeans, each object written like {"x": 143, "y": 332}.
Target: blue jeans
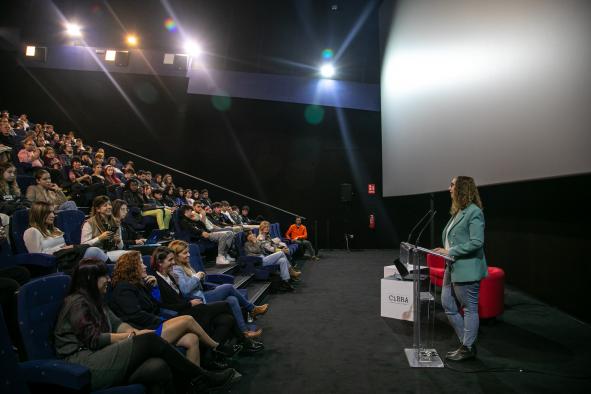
{"x": 95, "y": 253}
{"x": 228, "y": 293}
{"x": 455, "y": 296}
{"x": 278, "y": 258}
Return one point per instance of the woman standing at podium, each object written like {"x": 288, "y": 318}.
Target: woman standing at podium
{"x": 463, "y": 239}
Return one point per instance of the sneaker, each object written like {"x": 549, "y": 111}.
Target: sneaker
{"x": 221, "y": 260}
{"x": 230, "y": 258}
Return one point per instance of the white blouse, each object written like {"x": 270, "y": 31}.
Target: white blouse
{"x": 36, "y": 242}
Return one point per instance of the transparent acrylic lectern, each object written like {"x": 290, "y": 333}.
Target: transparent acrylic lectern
{"x": 421, "y": 356}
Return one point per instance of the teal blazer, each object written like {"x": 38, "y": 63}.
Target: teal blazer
{"x": 466, "y": 245}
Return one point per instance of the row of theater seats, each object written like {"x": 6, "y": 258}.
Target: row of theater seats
{"x": 40, "y": 300}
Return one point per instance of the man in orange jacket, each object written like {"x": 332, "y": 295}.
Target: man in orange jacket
{"x": 297, "y": 233}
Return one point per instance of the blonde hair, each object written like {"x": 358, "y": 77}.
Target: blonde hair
{"x": 37, "y": 216}
{"x": 465, "y": 193}
{"x": 177, "y": 248}
{"x": 264, "y": 223}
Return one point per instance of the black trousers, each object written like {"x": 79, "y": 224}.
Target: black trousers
{"x": 158, "y": 365}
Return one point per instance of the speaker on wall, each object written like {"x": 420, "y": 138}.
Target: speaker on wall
{"x": 346, "y": 192}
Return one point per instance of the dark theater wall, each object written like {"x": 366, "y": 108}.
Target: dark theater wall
{"x": 537, "y": 231}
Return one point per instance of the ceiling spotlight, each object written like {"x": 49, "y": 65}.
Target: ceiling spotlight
{"x": 192, "y": 48}
{"x": 110, "y": 55}
{"x": 327, "y": 70}
{"x": 73, "y": 30}
{"x": 30, "y": 51}
{"x": 131, "y": 40}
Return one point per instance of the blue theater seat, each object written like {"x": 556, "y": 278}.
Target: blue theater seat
{"x": 39, "y": 303}
{"x": 70, "y": 222}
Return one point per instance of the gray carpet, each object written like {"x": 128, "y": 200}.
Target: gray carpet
{"x": 328, "y": 337}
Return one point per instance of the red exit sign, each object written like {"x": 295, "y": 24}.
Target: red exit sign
{"x": 371, "y": 188}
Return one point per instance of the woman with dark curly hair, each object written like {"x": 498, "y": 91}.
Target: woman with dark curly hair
{"x": 463, "y": 239}
{"x": 87, "y": 332}
{"x": 132, "y": 302}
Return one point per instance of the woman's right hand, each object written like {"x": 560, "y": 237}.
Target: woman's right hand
{"x": 105, "y": 235}
{"x": 196, "y": 302}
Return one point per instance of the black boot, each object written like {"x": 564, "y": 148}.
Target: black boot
{"x": 286, "y": 287}
{"x": 214, "y": 380}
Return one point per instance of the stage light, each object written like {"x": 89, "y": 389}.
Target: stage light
{"x": 192, "y": 48}
{"x": 110, "y": 55}
{"x": 73, "y": 30}
{"x": 131, "y": 40}
{"x": 327, "y": 70}
{"x": 30, "y": 51}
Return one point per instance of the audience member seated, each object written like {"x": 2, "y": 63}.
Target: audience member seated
{"x": 204, "y": 197}
{"x": 102, "y": 230}
{"x": 158, "y": 201}
{"x": 128, "y": 234}
{"x": 67, "y": 155}
{"x": 169, "y": 197}
{"x": 87, "y": 332}
{"x": 111, "y": 178}
{"x": 269, "y": 243}
{"x": 6, "y": 138}
{"x": 30, "y": 154}
{"x": 216, "y": 317}
{"x": 298, "y": 233}
{"x": 180, "y": 199}
{"x": 44, "y": 237}
{"x": 82, "y": 190}
{"x": 156, "y": 181}
{"x": 48, "y": 192}
{"x": 197, "y": 229}
{"x": 190, "y": 285}
{"x": 153, "y": 199}
{"x": 10, "y": 194}
{"x": 132, "y": 302}
{"x": 97, "y": 173}
{"x": 201, "y": 214}
{"x": 135, "y": 199}
{"x": 253, "y": 247}
{"x": 244, "y": 215}
{"x": 167, "y": 181}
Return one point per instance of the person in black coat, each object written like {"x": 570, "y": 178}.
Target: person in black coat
{"x": 133, "y": 301}
{"x": 215, "y": 317}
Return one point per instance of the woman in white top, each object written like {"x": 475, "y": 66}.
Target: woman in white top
{"x": 102, "y": 230}
{"x": 44, "y": 237}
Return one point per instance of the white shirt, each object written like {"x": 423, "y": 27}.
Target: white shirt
{"x": 453, "y": 221}
{"x": 38, "y": 243}
{"x": 169, "y": 281}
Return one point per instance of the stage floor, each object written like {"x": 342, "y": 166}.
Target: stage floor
{"x": 328, "y": 337}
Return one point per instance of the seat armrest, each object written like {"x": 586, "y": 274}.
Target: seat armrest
{"x": 56, "y": 372}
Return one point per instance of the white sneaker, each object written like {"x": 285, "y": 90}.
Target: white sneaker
{"x": 221, "y": 260}
{"x": 230, "y": 259}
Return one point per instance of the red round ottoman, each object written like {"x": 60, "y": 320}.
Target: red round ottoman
{"x": 491, "y": 302}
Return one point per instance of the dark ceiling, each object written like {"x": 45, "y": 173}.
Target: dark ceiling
{"x": 272, "y": 36}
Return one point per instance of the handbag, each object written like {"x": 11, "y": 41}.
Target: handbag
{"x": 68, "y": 258}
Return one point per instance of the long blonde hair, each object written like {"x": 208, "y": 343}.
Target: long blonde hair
{"x": 177, "y": 248}
{"x": 38, "y": 214}
{"x": 465, "y": 193}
